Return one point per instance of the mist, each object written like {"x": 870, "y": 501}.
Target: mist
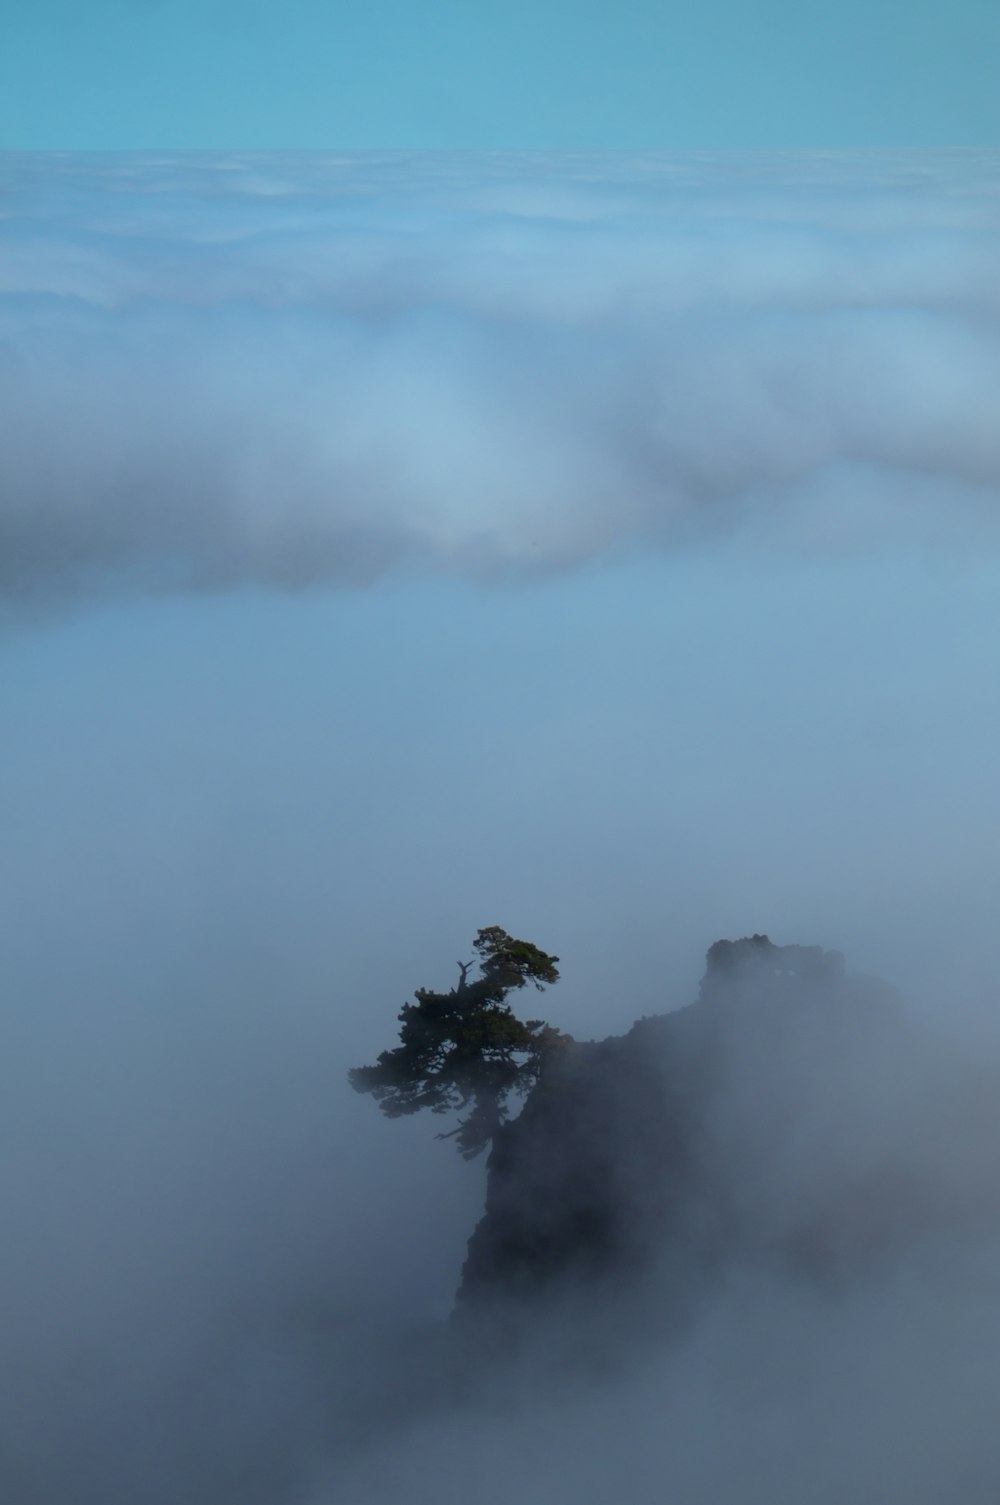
{"x": 604, "y": 547}
{"x": 295, "y": 369}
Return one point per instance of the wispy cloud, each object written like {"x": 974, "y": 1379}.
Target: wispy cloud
{"x": 291, "y": 369}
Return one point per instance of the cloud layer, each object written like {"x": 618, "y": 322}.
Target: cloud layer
{"x": 296, "y": 369}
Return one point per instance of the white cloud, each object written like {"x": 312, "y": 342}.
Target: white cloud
{"x": 286, "y": 369}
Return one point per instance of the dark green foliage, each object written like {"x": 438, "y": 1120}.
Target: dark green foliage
{"x": 466, "y": 1049}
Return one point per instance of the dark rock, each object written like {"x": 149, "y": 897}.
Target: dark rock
{"x": 791, "y": 1114}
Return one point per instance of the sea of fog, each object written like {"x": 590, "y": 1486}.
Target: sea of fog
{"x": 601, "y": 546}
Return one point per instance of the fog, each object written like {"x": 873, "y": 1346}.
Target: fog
{"x": 885, "y": 1397}
{"x": 602, "y": 547}
{"x": 293, "y": 369}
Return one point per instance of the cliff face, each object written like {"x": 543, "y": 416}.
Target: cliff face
{"x": 790, "y": 1114}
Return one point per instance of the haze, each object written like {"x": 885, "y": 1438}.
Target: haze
{"x": 605, "y": 547}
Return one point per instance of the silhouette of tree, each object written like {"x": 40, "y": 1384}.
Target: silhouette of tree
{"x": 466, "y": 1049}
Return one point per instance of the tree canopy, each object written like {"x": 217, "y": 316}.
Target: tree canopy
{"x": 466, "y": 1049}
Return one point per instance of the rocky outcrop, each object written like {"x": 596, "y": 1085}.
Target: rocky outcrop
{"x": 791, "y": 1114}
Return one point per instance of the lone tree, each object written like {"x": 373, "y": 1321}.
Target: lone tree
{"x": 466, "y": 1049}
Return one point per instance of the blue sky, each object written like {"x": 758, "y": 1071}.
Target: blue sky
{"x": 154, "y": 74}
